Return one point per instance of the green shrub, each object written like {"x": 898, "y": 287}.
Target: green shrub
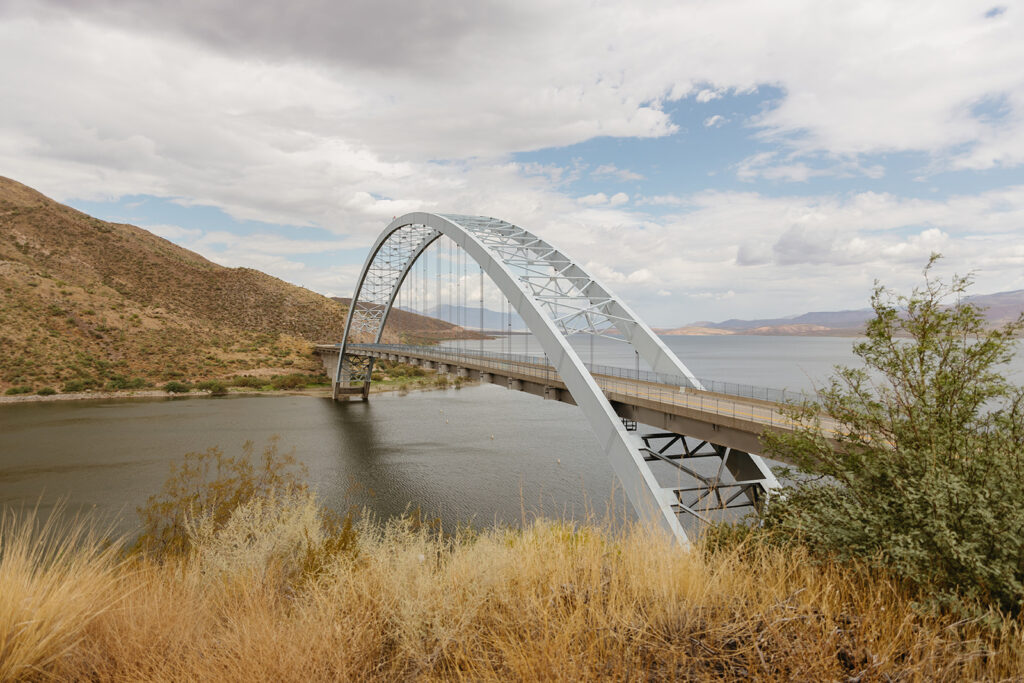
{"x": 923, "y": 474}
{"x": 248, "y": 381}
{"x": 293, "y": 381}
{"x": 120, "y": 382}
{"x": 214, "y": 386}
{"x": 14, "y": 391}
{"x": 47, "y": 391}
{"x": 177, "y": 388}
{"x": 74, "y": 385}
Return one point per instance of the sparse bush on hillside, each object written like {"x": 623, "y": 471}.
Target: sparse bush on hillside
{"x": 80, "y": 384}
{"x": 214, "y": 386}
{"x": 120, "y": 382}
{"x": 47, "y": 391}
{"x": 293, "y": 381}
{"x": 924, "y": 475}
{"x": 177, "y": 388}
{"x": 248, "y": 381}
{"x": 14, "y": 391}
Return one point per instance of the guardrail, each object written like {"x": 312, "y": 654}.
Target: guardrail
{"x": 645, "y": 385}
{"x": 711, "y": 385}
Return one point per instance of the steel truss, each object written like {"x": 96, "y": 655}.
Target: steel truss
{"x": 556, "y": 298}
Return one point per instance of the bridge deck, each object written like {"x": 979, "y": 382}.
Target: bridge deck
{"x": 720, "y": 418}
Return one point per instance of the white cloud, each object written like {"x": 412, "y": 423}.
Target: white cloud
{"x": 341, "y": 115}
{"x": 596, "y": 199}
{"x": 788, "y": 168}
{"x": 714, "y": 121}
{"x": 606, "y": 170}
{"x": 707, "y": 95}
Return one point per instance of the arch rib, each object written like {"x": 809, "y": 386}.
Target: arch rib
{"x": 555, "y": 297}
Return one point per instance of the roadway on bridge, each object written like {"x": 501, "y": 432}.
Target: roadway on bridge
{"x": 624, "y": 389}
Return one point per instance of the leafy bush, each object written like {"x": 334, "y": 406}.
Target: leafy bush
{"x": 120, "y": 382}
{"x": 923, "y": 472}
{"x": 206, "y": 489}
{"x": 47, "y": 391}
{"x": 293, "y": 381}
{"x": 214, "y": 386}
{"x": 248, "y": 381}
{"x": 14, "y": 391}
{"x": 80, "y": 384}
{"x": 177, "y": 388}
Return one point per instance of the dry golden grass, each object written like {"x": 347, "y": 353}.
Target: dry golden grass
{"x": 550, "y": 602}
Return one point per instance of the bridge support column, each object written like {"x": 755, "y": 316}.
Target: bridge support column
{"x": 463, "y": 373}
{"x": 515, "y": 384}
{"x": 428, "y": 365}
{"x": 486, "y": 378}
{"x": 442, "y": 368}
{"x": 552, "y": 394}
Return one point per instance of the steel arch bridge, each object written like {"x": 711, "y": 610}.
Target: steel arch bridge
{"x": 556, "y": 298}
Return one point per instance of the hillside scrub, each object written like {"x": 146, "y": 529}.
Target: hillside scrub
{"x": 924, "y": 476}
{"x": 87, "y": 301}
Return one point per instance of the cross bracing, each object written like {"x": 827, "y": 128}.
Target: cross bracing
{"x": 556, "y": 298}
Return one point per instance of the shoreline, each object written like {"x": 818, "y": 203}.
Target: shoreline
{"x": 316, "y": 392}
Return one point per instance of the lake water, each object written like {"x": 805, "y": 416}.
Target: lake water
{"x": 479, "y": 454}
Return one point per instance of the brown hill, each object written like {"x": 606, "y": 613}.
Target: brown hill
{"x": 90, "y": 301}
{"x": 413, "y": 328}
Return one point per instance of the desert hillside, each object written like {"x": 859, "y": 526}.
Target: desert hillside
{"x": 103, "y": 304}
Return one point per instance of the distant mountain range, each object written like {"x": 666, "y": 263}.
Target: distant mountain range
{"x": 469, "y": 317}
{"x": 999, "y": 308}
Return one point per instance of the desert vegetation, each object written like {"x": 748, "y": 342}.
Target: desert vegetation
{"x": 87, "y": 305}
{"x": 267, "y": 585}
{"x": 924, "y": 477}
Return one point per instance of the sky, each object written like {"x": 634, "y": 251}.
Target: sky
{"x": 705, "y": 160}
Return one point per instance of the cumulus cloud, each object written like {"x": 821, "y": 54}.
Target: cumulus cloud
{"x": 594, "y": 199}
{"x": 714, "y": 121}
{"x": 708, "y": 95}
{"x": 340, "y": 115}
{"x": 611, "y": 170}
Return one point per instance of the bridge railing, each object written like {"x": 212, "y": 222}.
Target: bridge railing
{"x": 644, "y": 376}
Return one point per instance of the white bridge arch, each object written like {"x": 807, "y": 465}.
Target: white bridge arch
{"x": 555, "y": 297}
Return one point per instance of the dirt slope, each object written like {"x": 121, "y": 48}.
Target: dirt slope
{"x": 83, "y": 299}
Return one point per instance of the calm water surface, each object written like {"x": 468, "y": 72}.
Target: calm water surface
{"x": 477, "y": 454}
